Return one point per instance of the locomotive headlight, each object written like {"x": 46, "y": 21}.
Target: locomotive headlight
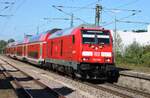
{"x": 106, "y": 54}
{"x": 85, "y": 59}
{"x": 107, "y": 59}
{"x": 96, "y": 48}
{"x": 87, "y": 53}
{"x": 92, "y": 46}
{"x": 100, "y": 46}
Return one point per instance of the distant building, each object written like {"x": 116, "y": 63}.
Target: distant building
{"x": 128, "y": 37}
{"x": 148, "y": 28}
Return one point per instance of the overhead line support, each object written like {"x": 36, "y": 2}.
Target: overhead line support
{"x": 98, "y": 12}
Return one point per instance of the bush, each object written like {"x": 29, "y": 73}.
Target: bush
{"x": 2, "y": 45}
{"x": 133, "y": 53}
{"x": 119, "y": 58}
{"x": 146, "y": 59}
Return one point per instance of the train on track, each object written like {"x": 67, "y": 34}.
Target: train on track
{"x": 84, "y": 52}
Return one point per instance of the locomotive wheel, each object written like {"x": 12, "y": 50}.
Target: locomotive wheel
{"x": 112, "y": 79}
{"x": 71, "y": 72}
{"x": 83, "y": 76}
{"x": 49, "y": 66}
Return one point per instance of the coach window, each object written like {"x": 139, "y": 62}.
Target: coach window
{"x": 61, "y": 51}
{"x": 51, "y": 47}
{"x": 73, "y": 39}
{"x": 33, "y": 54}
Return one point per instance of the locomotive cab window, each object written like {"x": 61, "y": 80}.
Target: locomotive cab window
{"x": 103, "y": 39}
{"x": 95, "y": 37}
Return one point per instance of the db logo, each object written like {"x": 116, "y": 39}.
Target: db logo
{"x": 96, "y": 53}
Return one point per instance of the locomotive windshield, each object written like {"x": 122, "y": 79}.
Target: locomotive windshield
{"x": 95, "y": 37}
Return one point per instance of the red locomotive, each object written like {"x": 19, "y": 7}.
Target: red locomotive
{"x": 82, "y": 52}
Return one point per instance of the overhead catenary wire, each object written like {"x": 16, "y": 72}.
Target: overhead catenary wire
{"x": 6, "y": 15}
{"x": 61, "y": 10}
{"x": 6, "y": 2}
{"x": 69, "y": 14}
{"x": 9, "y": 4}
{"x": 19, "y": 6}
{"x": 112, "y": 22}
{"x": 115, "y": 9}
{"x": 127, "y": 4}
{"x": 81, "y": 8}
{"x": 75, "y": 7}
{"x": 56, "y": 18}
{"x": 133, "y": 22}
{"x": 13, "y": 13}
{"x": 102, "y": 8}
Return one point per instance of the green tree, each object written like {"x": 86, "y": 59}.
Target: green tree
{"x": 145, "y": 59}
{"x": 11, "y": 40}
{"x": 146, "y": 55}
{"x": 118, "y": 49}
{"x": 133, "y": 53}
{"x": 119, "y": 44}
{"x": 2, "y": 45}
{"x": 146, "y": 49}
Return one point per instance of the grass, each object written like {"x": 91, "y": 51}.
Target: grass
{"x": 138, "y": 68}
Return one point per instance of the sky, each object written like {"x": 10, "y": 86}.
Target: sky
{"x": 27, "y": 16}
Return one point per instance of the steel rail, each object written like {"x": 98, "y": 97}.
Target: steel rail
{"x": 135, "y": 76}
{"x": 108, "y": 90}
{"x": 21, "y": 89}
{"x": 116, "y": 92}
{"x": 129, "y": 90}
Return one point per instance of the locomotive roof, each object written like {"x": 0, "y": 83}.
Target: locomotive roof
{"x": 63, "y": 32}
{"x": 69, "y": 31}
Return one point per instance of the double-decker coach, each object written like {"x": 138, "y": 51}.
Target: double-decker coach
{"x": 10, "y": 49}
{"x": 36, "y": 48}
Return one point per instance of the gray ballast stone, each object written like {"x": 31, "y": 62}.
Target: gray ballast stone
{"x": 136, "y": 74}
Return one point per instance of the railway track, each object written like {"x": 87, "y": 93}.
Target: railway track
{"x": 136, "y": 75}
{"x": 117, "y": 90}
{"x": 109, "y": 90}
{"x": 131, "y": 93}
{"x": 25, "y": 85}
{"x": 120, "y": 91}
{"x": 2, "y": 76}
